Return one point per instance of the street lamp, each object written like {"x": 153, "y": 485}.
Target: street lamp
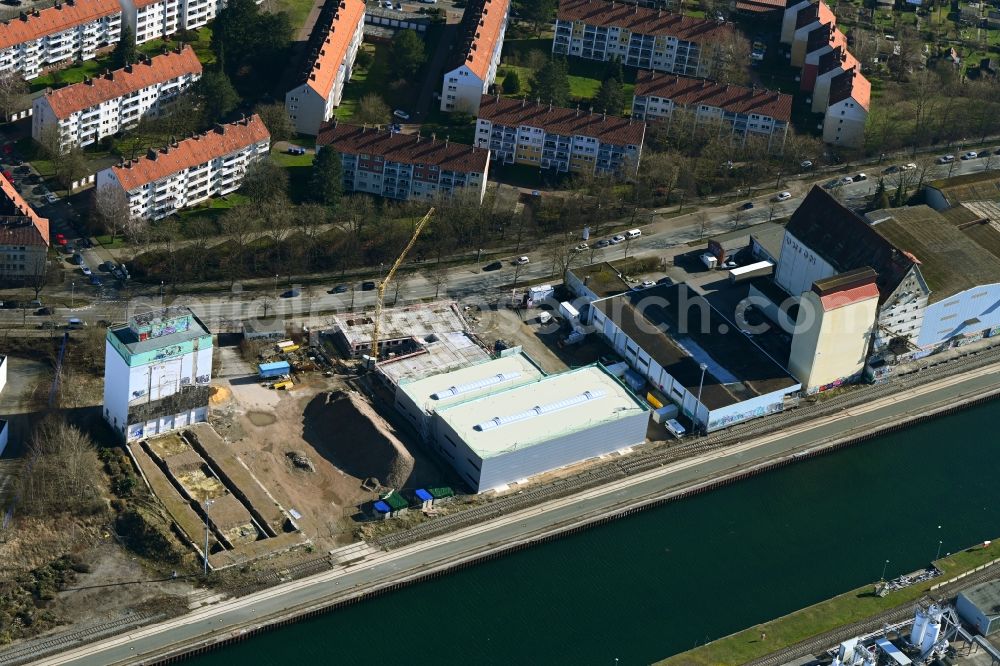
{"x": 701, "y": 384}
{"x": 884, "y": 567}
{"x": 209, "y": 503}
{"x": 161, "y": 292}
{"x": 72, "y": 294}
{"x": 275, "y": 285}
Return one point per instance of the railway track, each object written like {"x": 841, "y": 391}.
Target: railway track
{"x": 638, "y": 463}
{"x": 29, "y": 651}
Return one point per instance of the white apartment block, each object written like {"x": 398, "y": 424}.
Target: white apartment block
{"x": 157, "y": 373}
{"x": 738, "y": 110}
{"x": 484, "y": 25}
{"x": 152, "y": 19}
{"x": 188, "y": 172}
{"x": 24, "y": 237}
{"x": 552, "y": 137}
{"x": 84, "y": 112}
{"x": 333, "y": 47}
{"x": 71, "y": 30}
{"x": 635, "y": 36}
{"x": 405, "y": 166}
{"x": 847, "y": 114}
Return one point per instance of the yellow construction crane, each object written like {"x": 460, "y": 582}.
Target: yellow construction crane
{"x": 388, "y": 278}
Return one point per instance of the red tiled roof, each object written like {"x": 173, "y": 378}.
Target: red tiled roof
{"x": 558, "y": 120}
{"x": 404, "y": 148}
{"x": 844, "y": 297}
{"x": 482, "y": 21}
{"x": 67, "y": 101}
{"x": 333, "y": 50}
{"x": 642, "y": 20}
{"x": 55, "y": 19}
{"x": 852, "y": 84}
{"x": 687, "y": 91}
{"x": 17, "y": 234}
{"x": 139, "y": 4}
{"x": 222, "y": 140}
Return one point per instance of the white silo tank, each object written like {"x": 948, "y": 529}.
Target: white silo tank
{"x": 931, "y": 635}
{"x": 919, "y": 627}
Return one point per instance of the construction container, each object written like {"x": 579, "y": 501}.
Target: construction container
{"x": 272, "y": 370}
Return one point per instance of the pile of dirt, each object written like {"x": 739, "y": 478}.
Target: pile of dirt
{"x": 300, "y": 461}
{"x": 346, "y": 429}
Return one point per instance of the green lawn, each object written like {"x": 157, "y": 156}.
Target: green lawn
{"x": 298, "y": 11}
{"x": 282, "y": 158}
{"x": 91, "y": 68}
{"x": 848, "y": 608}
{"x": 581, "y": 88}
{"x": 365, "y": 81}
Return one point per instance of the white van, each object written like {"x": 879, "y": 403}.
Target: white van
{"x": 632, "y": 233}
{"x": 544, "y": 317}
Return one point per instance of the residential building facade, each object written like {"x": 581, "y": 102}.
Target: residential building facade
{"x": 188, "y": 172}
{"x": 157, "y": 371}
{"x": 151, "y": 19}
{"x": 85, "y": 112}
{"x": 483, "y": 27}
{"x": 333, "y": 48}
{"x": 24, "y": 237}
{"x": 405, "y": 166}
{"x": 738, "y": 110}
{"x": 847, "y": 114}
{"x": 552, "y": 137}
{"x": 71, "y": 30}
{"x": 636, "y": 36}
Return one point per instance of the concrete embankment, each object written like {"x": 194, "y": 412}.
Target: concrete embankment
{"x": 382, "y": 572}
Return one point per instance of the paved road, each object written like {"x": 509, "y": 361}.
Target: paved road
{"x": 382, "y": 568}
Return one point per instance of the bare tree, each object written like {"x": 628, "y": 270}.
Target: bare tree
{"x": 13, "y": 94}
{"x": 64, "y": 473}
{"x": 112, "y": 209}
{"x": 727, "y": 57}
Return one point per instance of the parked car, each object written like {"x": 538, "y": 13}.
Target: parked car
{"x": 493, "y": 266}
{"x": 367, "y": 285}
{"x": 581, "y": 247}
{"x": 43, "y": 311}
{"x": 291, "y": 293}
{"x": 399, "y": 6}
{"x": 846, "y": 180}
{"x": 96, "y": 281}
{"x": 909, "y": 166}
{"x": 747, "y": 206}
{"x": 85, "y": 269}
{"x": 604, "y": 242}
{"x": 648, "y": 283}
{"x": 521, "y": 261}
{"x": 946, "y": 159}
{"x": 84, "y": 242}
{"x": 402, "y": 115}
{"x": 617, "y": 239}
{"x": 387, "y": 4}
{"x": 296, "y": 150}
{"x": 75, "y": 322}
{"x": 971, "y": 155}
{"x": 339, "y": 289}
{"x": 860, "y": 177}
{"x": 59, "y": 238}
{"x": 49, "y": 198}
{"x": 783, "y": 196}
{"x": 105, "y": 266}
{"x": 806, "y": 164}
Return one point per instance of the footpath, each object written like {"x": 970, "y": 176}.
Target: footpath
{"x": 371, "y": 571}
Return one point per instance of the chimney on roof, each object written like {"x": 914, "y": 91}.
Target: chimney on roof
{"x": 218, "y": 128}
{"x": 70, "y": 2}
{"x": 88, "y": 81}
{"x": 173, "y": 141}
{"x": 446, "y": 138}
{"x": 36, "y": 13}
{"x": 151, "y": 154}
{"x": 128, "y": 67}
{"x": 58, "y": 5}
{"x": 109, "y": 75}
{"x": 550, "y": 105}
{"x": 23, "y": 16}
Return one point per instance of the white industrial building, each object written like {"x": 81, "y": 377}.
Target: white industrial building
{"x": 157, "y": 370}
{"x": 507, "y": 434}
{"x": 474, "y": 70}
{"x": 692, "y": 355}
{"x": 418, "y": 400}
{"x": 333, "y": 46}
{"x": 85, "y": 112}
{"x": 71, "y": 30}
{"x": 188, "y": 172}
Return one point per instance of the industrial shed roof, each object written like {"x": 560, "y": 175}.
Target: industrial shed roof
{"x": 952, "y": 256}
{"x": 671, "y": 326}
{"x": 439, "y": 391}
{"x": 516, "y": 418}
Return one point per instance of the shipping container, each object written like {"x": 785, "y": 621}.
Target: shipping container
{"x": 749, "y": 271}
{"x": 272, "y": 370}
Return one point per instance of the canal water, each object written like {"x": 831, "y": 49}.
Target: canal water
{"x": 667, "y": 579}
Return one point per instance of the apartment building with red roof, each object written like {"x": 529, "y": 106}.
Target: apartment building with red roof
{"x": 405, "y": 166}
{"x": 332, "y": 48}
{"x": 636, "y": 36}
{"x": 70, "y": 30}
{"x": 839, "y": 90}
{"x": 152, "y": 19}
{"x": 188, "y": 172}
{"x": 565, "y": 140}
{"x": 474, "y": 68}
{"x": 84, "y": 112}
{"x": 24, "y": 237}
{"x": 738, "y": 110}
